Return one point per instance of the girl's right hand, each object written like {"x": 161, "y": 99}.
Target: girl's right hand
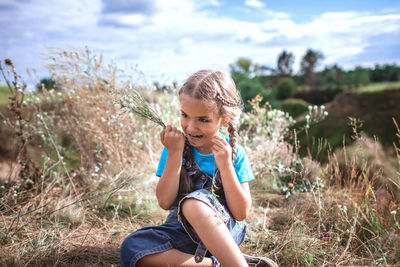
{"x": 173, "y": 139}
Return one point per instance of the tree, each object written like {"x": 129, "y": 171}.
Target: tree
{"x": 285, "y": 63}
{"x": 308, "y": 64}
{"x": 48, "y": 84}
{"x": 244, "y": 69}
{"x": 332, "y": 78}
{"x": 241, "y": 69}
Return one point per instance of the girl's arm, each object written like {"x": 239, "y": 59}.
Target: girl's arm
{"x": 237, "y": 194}
{"x": 168, "y": 185}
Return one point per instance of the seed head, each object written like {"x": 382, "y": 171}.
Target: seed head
{"x": 8, "y": 62}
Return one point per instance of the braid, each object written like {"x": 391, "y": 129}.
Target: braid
{"x": 232, "y": 139}
{"x": 185, "y": 183}
{"x": 224, "y": 101}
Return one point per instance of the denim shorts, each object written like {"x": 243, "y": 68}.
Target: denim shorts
{"x": 176, "y": 232}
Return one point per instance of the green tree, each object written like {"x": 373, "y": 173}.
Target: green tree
{"x": 361, "y": 76}
{"x": 285, "y": 64}
{"x": 244, "y": 68}
{"x": 241, "y": 69}
{"x": 47, "y": 83}
{"x": 308, "y": 64}
{"x": 332, "y": 78}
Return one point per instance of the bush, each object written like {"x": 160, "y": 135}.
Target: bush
{"x": 317, "y": 97}
{"x": 286, "y": 88}
{"x": 249, "y": 89}
{"x": 295, "y": 107}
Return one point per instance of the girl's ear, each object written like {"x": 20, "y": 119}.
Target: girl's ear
{"x": 224, "y": 121}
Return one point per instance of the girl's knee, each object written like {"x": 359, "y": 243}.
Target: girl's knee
{"x": 189, "y": 206}
{"x": 194, "y": 209}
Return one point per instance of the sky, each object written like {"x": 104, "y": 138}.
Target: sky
{"x": 168, "y": 40}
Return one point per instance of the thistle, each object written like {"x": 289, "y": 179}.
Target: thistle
{"x": 134, "y": 102}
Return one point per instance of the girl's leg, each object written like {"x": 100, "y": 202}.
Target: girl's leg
{"x": 172, "y": 257}
{"x": 213, "y": 233}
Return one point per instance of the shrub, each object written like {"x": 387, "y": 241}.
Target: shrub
{"x": 317, "y": 97}
{"x": 249, "y": 89}
{"x": 286, "y": 88}
{"x": 295, "y": 107}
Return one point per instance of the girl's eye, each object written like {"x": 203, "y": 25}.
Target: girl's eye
{"x": 183, "y": 115}
{"x": 204, "y": 120}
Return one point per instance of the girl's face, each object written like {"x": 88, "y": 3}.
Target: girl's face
{"x": 199, "y": 122}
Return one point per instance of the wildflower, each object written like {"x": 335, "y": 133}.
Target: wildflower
{"x": 394, "y": 212}
{"x": 343, "y": 208}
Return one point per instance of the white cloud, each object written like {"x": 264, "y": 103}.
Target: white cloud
{"x": 174, "y": 38}
{"x": 254, "y": 3}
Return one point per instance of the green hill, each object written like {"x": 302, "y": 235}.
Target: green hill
{"x": 376, "y": 110}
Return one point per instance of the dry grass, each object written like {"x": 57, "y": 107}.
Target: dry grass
{"x": 96, "y": 182}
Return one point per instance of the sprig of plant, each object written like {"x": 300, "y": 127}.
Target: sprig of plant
{"x": 135, "y": 103}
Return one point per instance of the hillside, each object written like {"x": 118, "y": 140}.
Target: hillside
{"x": 376, "y": 110}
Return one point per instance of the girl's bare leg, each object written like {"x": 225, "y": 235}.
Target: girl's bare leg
{"x": 213, "y": 232}
{"x": 172, "y": 258}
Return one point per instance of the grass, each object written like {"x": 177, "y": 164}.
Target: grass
{"x": 4, "y": 95}
{"x": 96, "y": 183}
{"x": 377, "y": 87}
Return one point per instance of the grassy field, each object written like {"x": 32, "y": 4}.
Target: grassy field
{"x": 4, "y": 94}
{"x": 376, "y": 87}
{"x": 84, "y": 179}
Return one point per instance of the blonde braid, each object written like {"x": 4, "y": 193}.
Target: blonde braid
{"x": 232, "y": 140}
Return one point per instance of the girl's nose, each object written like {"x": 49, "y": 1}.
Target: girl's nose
{"x": 190, "y": 126}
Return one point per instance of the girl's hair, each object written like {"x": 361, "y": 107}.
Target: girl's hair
{"x": 217, "y": 90}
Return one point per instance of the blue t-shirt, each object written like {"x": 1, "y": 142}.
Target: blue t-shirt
{"x": 207, "y": 164}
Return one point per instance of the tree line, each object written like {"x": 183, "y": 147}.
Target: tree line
{"x": 281, "y": 82}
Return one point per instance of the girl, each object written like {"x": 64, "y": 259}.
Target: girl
{"x": 206, "y": 220}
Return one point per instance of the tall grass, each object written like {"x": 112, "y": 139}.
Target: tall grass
{"x": 95, "y": 185}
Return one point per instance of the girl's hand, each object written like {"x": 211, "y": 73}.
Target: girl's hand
{"x": 222, "y": 152}
{"x": 173, "y": 139}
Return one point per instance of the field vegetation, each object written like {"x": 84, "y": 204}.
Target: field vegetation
{"x": 77, "y": 175}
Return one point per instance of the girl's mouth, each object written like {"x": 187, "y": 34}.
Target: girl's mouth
{"x": 195, "y": 136}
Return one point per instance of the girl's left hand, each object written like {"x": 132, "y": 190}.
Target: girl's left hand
{"x": 222, "y": 152}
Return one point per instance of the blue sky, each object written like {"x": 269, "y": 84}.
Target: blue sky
{"x": 170, "y": 39}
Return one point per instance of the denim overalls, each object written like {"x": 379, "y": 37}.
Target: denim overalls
{"x": 176, "y": 232}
